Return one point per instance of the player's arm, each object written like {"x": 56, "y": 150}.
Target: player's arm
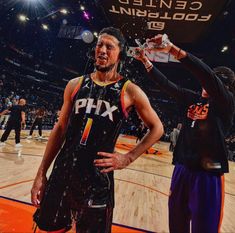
{"x": 22, "y": 117}
{"x": 134, "y": 96}
{"x": 54, "y": 144}
{"x": 150, "y": 118}
{"x": 4, "y": 112}
{"x": 201, "y": 71}
{"x": 23, "y": 120}
{"x": 182, "y": 95}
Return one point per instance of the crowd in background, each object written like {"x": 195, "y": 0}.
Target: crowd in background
{"x": 10, "y": 92}
{"x": 37, "y": 96}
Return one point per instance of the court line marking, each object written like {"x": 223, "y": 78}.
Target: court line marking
{"x": 231, "y": 194}
{"x": 141, "y": 185}
{"x": 150, "y": 173}
{"x": 17, "y": 152}
{"x": 127, "y": 181}
{"x": 16, "y": 183}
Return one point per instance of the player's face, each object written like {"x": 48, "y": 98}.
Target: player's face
{"x": 22, "y": 102}
{"x": 106, "y": 52}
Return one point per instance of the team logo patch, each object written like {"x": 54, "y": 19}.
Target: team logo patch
{"x": 90, "y": 104}
{"x": 198, "y": 111}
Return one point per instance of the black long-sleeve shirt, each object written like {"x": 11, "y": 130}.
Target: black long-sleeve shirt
{"x": 15, "y": 114}
{"x": 201, "y": 144}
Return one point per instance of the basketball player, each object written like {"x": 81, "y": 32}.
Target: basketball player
{"x": 16, "y": 121}
{"x": 200, "y": 155}
{"x": 95, "y": 105}
{"x": 40, "y": 113}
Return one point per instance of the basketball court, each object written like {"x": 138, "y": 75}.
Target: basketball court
{"x": 141, "y": 190}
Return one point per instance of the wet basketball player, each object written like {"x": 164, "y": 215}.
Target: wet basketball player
{"x": 95, "y": 105}
{"x": 200, "y": 154}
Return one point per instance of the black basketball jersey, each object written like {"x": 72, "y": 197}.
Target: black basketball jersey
{"x": 98, "y": 113}
{"x": 75, "y": 183}
{"x": 96, "y": 118}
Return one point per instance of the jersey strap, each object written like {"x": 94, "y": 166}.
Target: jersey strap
{"x": 76, "y": 89}
{"x": 122, "y": 97}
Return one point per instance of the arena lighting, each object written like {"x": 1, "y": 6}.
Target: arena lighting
{"x": 87, "y": 36}
{"x": 33, "y": 1}
{"x": 35, "y": 4}
{"x": 82, "y": 7}
{"x": 224, "y": 49}
{"x": 53, "y": 13}
{"x": 23, "y": 18}
{"x": 86, "y": 15}
{"x": 64, "y": 11}
{"x": 45, "y": 27}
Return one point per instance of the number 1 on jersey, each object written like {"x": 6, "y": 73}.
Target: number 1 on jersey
{"x": 86, "y": 131}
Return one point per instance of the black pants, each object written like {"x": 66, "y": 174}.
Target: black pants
{"x": 12, "y": 125}
{"x": 38, "y": 122}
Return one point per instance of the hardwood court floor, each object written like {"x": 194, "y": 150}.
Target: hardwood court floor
{"x": 141, "y": 190}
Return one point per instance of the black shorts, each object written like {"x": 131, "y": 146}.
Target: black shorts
{"x": 93, "y": 220}
{"x": 79, "y": 193}
{"x": 88, "y": 220}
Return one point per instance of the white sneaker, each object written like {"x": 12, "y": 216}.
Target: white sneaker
{"x": 18, "y": 145}
{"x": 2, "y": 143}
{"x": 40, "y": 137}
{"x": 29, "y": 137}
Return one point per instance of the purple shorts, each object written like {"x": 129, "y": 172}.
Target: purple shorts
{"x": 196, "y": 197}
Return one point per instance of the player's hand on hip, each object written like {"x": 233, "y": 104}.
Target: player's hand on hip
{"x": 37, "y": 190}
{"x": 111, "y": 161}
